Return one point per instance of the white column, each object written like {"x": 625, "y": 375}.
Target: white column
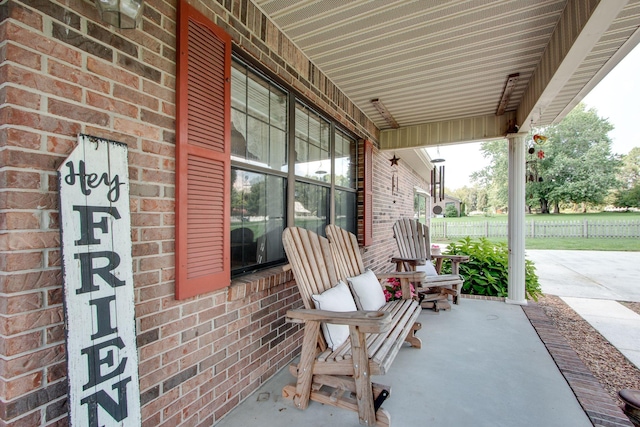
{"x": 516, "y": 218}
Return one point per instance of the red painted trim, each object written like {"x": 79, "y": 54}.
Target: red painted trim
{"x": 190, "y": 286}
{"x": 368, "y": 194}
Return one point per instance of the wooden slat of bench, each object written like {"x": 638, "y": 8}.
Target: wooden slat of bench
{"x": 385, "y": 356}
{"x": 381, "y": 348}
{"x": 374, "y": 341}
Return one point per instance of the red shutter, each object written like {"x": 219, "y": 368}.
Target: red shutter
{"x": 203, "y": 167}
{"x": 368, "y": 193}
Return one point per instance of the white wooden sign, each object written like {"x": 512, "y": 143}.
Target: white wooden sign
{"x": 102, "y": 357}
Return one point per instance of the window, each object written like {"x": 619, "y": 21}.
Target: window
{"x": 420, "y": 206}
{"x": 250, "y": 158}
{"x": 272, "y": 146}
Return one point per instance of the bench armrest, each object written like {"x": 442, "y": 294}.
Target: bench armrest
{"x": 367, "y": 321}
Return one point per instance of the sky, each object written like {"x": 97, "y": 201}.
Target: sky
{"x": 616, "y": 98}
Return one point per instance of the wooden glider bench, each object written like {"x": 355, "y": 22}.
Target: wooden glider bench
{"x": 342, "y": 376}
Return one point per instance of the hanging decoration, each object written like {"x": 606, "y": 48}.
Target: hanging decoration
{"x": 394, "y": 175}
{"x": 437, "y": 184}
{"x": 535, "y": 153}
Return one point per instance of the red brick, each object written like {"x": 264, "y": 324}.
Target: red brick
{"x": 32, "y": 361}
{"x": 55, "y": 334}
{"x": 155, "y": 205}
{"x": 119, "y": 75}
{"x": 41, "y": 82}
{"x": 109, "y": 104}
{"x": 12, "y": 116}
{"x": 158, "y": 176}
{"x": 60, "y": 145}
{"x": 20, "y": 282}
{"x": 18, "y": 241}
{"x": 20, "y": 179}
{"x": 20, "y": 303}
{"x": 156, "y": 263}
{"x": 145, "y": 219}
{"x": 56, "y": 372}
{"x": 23, "y": 385}
{"x": 21, "y": 56}
{"x": 159, "y": 319}
{"x": 25, "y": 159}
{"x": 77, "y": 112}
{"x": 20, "y": 97}
{"x": 135, "y": 96}
{"x": 42, "y": 44}
{"x": 29, "y": 420}
{"x": 159, "y": 233}
{"x": 26, "y": 16}
{"x": 14, "y": 345}
{"x": 157, "y": 91}
{"x": 16, "y": 261}
{"x": 136, "y": 128}
{"x": 22, "y": 138}
{"x": 14, "y": 220}
{"x": 79, "y": 77}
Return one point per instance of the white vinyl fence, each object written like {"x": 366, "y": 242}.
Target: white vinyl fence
{"x": 538, "y": 229}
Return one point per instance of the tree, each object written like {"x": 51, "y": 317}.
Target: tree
{"x": 578, "y": 166}
{"x": 450, "y": 211}
{"x": 574, "y": 165}
{"x": 628, "y": 196}
{"x": 494, "y": 179}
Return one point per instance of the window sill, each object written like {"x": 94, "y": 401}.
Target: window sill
{"x": 245, "y": 286}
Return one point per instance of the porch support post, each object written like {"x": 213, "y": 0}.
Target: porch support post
{"x": 517, "y": 164}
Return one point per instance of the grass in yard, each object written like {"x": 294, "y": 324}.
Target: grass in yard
{"x": 630, "y": 244}
{"x": 565, "y": 243}
{"x": 617, "y": 216}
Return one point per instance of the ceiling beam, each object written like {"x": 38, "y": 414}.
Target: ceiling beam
{"x": 582, "y": 24}
{"x": 468, "y": 129}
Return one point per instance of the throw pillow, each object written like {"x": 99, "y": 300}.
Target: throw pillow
{"x": 428, "y": 268}
{"x": 367, "y": 291}
{"x": 339, "y": 299}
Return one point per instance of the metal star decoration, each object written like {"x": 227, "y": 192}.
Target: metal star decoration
{"x": 394, "y": 160}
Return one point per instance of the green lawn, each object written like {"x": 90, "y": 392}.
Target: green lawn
{"x": 591, "y": 244}
{"x": 548, "y": 217}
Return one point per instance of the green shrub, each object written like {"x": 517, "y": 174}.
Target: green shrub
{"x": 450, "y": 211}
{"x": 487, "y": 271}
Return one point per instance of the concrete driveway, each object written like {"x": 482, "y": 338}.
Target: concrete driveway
{"x": 588, "y": 274}
{"x": 592, "y": 283}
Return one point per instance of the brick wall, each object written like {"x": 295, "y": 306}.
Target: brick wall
{"x": 62, "y": 72}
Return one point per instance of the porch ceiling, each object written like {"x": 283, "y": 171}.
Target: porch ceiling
{"x": 440, "y": 68}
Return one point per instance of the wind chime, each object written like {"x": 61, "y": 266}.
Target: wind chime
{"x": 437, "y": 183}
{"x": 535, "y": 153}
{"x": 394, "y": 175}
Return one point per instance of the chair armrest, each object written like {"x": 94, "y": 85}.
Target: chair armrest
{"x": 412, "y": 276}
{"x": 413, "y": 261}
{"x": 455, "y": 262}
{"x": 367, "y": 321}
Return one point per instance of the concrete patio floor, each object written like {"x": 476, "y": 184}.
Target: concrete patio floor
{"x": 482, "y": 364}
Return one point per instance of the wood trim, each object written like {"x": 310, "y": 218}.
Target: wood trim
{"x": 368, "y": 194}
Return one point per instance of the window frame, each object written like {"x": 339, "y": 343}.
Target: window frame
{"x": 295, "y": 99}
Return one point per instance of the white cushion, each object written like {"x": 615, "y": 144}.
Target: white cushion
{"x": 339, "y": 299}
{"x": 428, "y": 268}
{"x": 367, "y": 291}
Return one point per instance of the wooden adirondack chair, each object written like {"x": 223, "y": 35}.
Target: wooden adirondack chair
{"x": 412, "y": 238}
{"x": 342, "y": 376}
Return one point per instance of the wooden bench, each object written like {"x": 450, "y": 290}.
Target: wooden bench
{"x": 341, "y": 377}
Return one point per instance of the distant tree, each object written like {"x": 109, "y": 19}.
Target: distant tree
{"x": 629, "y": 174}
{"x": 493, "y": 179}
{"x": 450, "y": 211}
{"x": 628, "y": 195}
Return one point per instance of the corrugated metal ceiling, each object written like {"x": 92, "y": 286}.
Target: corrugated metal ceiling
{"x": 429, "y": 61}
